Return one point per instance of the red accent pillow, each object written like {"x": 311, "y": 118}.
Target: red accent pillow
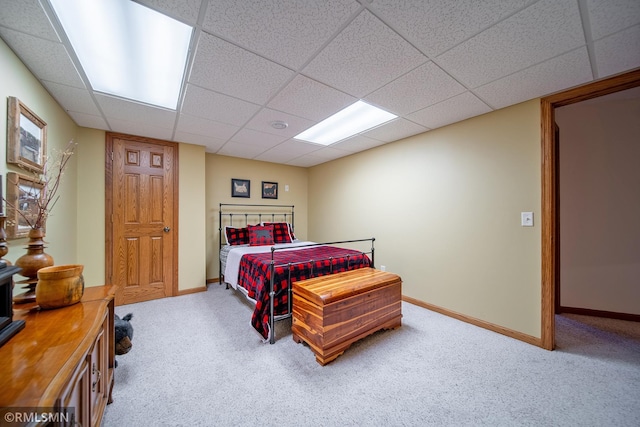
{"x": 260, "y": 235}
{"x": 236, "y": 236}
{"x": 281, "y": 232}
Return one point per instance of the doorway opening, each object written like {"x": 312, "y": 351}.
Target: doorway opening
{"x": 550, "y": 219}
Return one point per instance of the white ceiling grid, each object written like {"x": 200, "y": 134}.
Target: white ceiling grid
{"x": 431, "y": 62}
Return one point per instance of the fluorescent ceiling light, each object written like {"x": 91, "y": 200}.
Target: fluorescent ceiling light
{"x": 127, "y": 49}
{"x": 356, "y": 118}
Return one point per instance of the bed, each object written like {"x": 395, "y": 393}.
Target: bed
{"x": 261, "y": 257}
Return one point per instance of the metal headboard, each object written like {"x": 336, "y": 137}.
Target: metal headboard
{"x": 246, "y": 214}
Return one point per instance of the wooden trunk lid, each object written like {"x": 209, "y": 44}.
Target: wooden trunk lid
{"x": 327, "y": 289}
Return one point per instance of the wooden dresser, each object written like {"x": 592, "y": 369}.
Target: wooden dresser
{"x": 62, "y": 358}
{"x": 332, "y": 312}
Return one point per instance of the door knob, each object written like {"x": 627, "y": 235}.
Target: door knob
{"x": 167, "y": 229}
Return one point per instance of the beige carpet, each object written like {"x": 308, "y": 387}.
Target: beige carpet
{"x": 196, "y": 361}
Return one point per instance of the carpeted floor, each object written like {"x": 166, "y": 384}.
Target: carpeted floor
{"x": 196, "y": 361}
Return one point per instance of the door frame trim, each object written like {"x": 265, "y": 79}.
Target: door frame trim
{"x": 109, "y": 137}
{"x": 550, "y": 223}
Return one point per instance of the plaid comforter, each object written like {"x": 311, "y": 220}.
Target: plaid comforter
{"x": 255, "y": 275}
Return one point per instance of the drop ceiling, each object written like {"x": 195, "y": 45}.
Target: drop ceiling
{"x": 254, "y": 62}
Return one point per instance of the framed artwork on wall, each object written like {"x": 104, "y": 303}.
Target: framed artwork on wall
{"x": 23, "y": 194}
{"x": 240, "y": 188}
{"x": 26, "y": 137}
{"x": 269, "y": 190}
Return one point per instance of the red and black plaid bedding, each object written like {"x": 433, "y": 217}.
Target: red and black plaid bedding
{"x": 255, "y": 275}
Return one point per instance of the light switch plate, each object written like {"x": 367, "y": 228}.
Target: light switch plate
{"x": 526, "y": 219}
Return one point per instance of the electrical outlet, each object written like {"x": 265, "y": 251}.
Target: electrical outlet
{"x": 383, "y": 267}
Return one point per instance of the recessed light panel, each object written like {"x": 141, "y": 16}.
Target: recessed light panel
{"x": 354, "y": 119}
{"x": 127, "y": 49}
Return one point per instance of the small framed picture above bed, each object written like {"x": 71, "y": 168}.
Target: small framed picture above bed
{"x": 269, "y": 190}
{"x": 240, "y": 188}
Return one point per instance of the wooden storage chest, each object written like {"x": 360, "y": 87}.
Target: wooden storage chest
{"x": 332, "y": 312}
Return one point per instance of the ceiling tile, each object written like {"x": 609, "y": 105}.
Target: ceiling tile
{"x": 120, "y": 109}
{"x": 210, "y": 105}
{"x": 73, "y": 99}
{"x": 365, "y": 45}
{"x": 358, "y": 143}
{"x": 606, "y": 20}
{"x": 262, "y": 122}
{"x": 394, "y": 130}
{"x": 88, "y": 120}
{"x": 236, "y": 149}
{"x": 275, "y": 157}
{"x": 618, "y": 52}
{"x": 317, "y": 157}
{"x": 259, "y": 139}
{"x": 419, "y": 88}
{"x": 305, "y": 161}
{"x": 542, "y": 31}
{"x": 285, "y": 32}
{"x": 138, "y": 128}
{"x": 46, "y": 59}
{"x": 183, "y": 10}
{"x": 204, "y": 127}
{"x": 211, "y": 144}
{"x": 435, "y": 26}
{"x": 310, "y": 99}
{"x": 452, "y": 110}
{"x": 565, "y": 71}
{"x": 242, "y": 74}
{"x": 255, "y": 62}
{"x": 27, "y": 16}
{"x": 328, "y": 153}
{"x": 287, "y": 151}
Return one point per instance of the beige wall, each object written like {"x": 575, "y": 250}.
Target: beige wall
{"x": 76, "y": 228}
{"x": 600, "y": 204}
{"x": 445, "y": 207}
{"x": 91, "y": 206}
{"x": 220, "y": 170}
{"x": 16, "y": 80}
{"x": 192, "y": 244}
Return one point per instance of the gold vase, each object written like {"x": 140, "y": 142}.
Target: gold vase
{"x": 35, "y": 259}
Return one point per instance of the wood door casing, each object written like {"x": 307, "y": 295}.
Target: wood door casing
{"x": 550, "y": 218}
{"x": 142, "y": 204}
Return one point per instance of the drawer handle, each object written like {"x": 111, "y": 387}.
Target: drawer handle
{"x": 95, "y": 383}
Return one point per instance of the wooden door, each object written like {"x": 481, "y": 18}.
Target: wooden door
{"x": 143, "y": 199}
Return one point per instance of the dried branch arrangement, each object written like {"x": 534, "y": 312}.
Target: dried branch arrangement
{"x": 36, "y": 201}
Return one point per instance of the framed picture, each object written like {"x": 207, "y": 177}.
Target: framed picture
{"x": 240, "y": 188}
{"x": 269, "y": 190}
{"x": 26, "y": 137}
{"x": 23, "y": 194}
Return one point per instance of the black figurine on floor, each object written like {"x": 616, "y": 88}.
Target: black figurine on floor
{"x": 124, "y": 335}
